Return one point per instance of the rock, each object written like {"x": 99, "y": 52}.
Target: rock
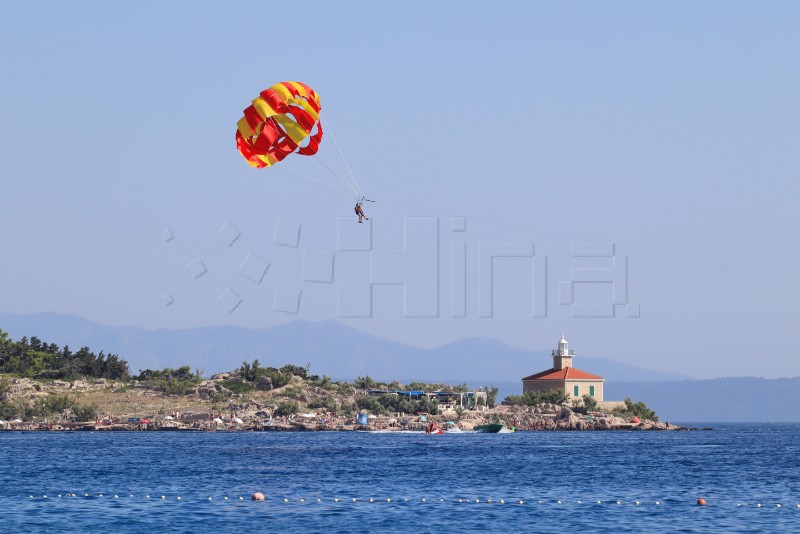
{"x": 264, "y": 383}
{"x": 564, "y": 414}
{"x": 60, "y": 384}
{"x": 80, "y": 384}
{"x": 209, "y": 388}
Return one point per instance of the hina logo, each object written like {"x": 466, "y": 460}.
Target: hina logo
{"x": 417, "y": 268}
{"x": 357, "y": 269}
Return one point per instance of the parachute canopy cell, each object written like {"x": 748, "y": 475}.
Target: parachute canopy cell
{"x": 282, "y": 120}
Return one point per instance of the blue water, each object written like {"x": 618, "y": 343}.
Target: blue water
{"x": 736, "y": 464}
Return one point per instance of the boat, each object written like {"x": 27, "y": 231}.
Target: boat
{"x": 494, "y": 428}
{"x": 433, "y": 428}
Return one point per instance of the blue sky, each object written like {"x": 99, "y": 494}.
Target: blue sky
{"x": 670, "y": 130}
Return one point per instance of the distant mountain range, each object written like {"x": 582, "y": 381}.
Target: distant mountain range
{"x": 331, "y": 347}
{"x": 344, "y": 353}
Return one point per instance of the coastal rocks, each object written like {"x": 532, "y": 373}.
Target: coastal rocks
{"x": 209, "y": 388}
{"x": 60, "y": 384}
{"x": 565, "y": 414}
{"x": 80, "y": 384}
{"x": 264, "y": 383}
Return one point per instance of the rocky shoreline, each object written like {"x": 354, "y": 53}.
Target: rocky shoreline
{"x": 132, "y": 406}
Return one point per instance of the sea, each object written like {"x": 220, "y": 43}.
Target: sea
{"x": 603, "y": 481}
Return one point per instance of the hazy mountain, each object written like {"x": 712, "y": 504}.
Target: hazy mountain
{"x": 332, "y": 349}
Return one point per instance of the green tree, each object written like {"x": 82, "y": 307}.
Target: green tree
{"x": 364, "y": 382}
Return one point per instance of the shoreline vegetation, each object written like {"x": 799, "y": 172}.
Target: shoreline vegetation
{"x": 46, "y": 387}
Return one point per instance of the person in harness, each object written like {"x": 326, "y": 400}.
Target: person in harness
{"x": 360, "y": 212}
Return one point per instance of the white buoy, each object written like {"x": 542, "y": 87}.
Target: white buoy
{"x": 240, "y": 498}
{"x": 520, "y": 502}
{"x": 758, "y": 505}
{"x": 210, "y": 499}
{"x": 59, "y": 496}
{"x": 477, "y": 500}
{"x": 163, "y": 497}
{"x": 738, "y": 504}
{"x": 285, "y": 500}
{"x": 599, "y": 502}
{"x": 489, "y": 501}
{"x": 658, "y": 503}
{"x": 371, "y": 499}
{"x": 44, "y": 496}
{"x": 99, "y": 494}
{"x": 147, "y": 496}
{"x": 115, "y": 496}
{"x": 558, "y": 502}
{"x": 335, "y": 500}
{"x": 441, "y": 500}
{"x": 85, "y": 494}
{"x": 618, "y": 502}
{"x": 30, "y": 496}
{"x": 636, "y": 503}
{"x": 354, "y": 499}
{"x": 777, "y": 506}
{"x": 319, "y": 500}
{"x": 302, "y": 500}
{"x": 579, "y": 502}
{"x": 502, "y": 501}
{"x": 225, "y": 498}
{"x": 178, "y": 498}
{"x": 128, "y": 495}
{"x": 388, "y": 500}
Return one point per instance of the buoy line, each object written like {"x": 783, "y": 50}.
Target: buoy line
{"x": 274, "y": 499}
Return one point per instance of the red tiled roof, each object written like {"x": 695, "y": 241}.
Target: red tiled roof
{"x": 567, "y": 373}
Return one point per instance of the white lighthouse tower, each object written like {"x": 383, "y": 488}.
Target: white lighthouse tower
{"x": 562, "y": 356}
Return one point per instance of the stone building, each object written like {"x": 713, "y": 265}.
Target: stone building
{"x": 564, "y": 377}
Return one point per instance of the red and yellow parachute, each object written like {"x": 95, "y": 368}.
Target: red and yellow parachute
{"x": 282, "y": 119}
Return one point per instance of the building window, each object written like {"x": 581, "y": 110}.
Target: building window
{"x": 575, "y": 389}
{"x": 591, "y": 391}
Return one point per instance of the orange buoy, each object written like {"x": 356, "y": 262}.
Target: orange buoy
{"x": 701, "y": 502}
{"x": 257, "y": 496}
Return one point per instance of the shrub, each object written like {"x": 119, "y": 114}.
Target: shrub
{"x": 348, "y": 408}
{"x": 287, "y": 408}
{"x": 238, "y": 386}
{"x": 589, "y": 404}
{"x": 638, "y": 409}
{"x": 57, "y": 403}
{"x": 364, "y": 382}
{"x": 532, "y": 398}
{"x": 326, "y": 403}
{"x": 84, "y": 413}
{"x": 370, "y": 404}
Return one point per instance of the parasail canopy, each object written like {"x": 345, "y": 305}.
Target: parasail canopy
{"x": 285, "y": 120}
